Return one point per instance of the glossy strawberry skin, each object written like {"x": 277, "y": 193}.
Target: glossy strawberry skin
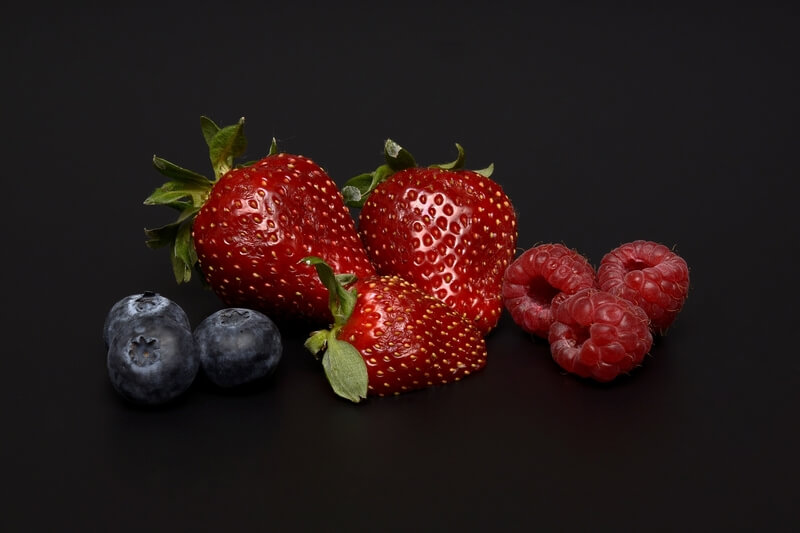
{"x": 650, "y": 275}
{"x": 258, "y": 223}
{"x": 451, "y": 232}
{"x": 598, "y": 335}
{"x": 408, "y": 339}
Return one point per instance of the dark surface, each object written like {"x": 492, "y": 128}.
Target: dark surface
{"x": 604, "y": 125}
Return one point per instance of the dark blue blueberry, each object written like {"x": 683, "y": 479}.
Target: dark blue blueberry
{"x": 151, "y": 360}
{"x": 237, "y": 346}
{"x": 139, "y": 305}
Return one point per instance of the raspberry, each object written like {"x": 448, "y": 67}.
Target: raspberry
{"x": 539, "y": 279}
{"x": 651, "y": 276}
{"x": 598, "y": 335}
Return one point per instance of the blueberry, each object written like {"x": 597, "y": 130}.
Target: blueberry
{"x": 151, "y": 360}
{"x": 144, "y": 304}
{"x": 237, "y": 346}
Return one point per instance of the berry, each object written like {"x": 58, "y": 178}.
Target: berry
{"x": 237, "y": 346}
{"x": 247, "y": 229}
{"x": 390, "y": 337}
{"x": 539, "y": 279}
{"x": 650, "y": 275}
{"x": 450, "y": 231}
{"x": 152, "y": 360}
{"x": 140, "y": 305}
{"x": 598, "y": 335}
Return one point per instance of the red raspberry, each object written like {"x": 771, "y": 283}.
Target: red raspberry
{"x": 598, "y": 335}
{"x": 651, "y": 276}
{"x": 539, "y": 279}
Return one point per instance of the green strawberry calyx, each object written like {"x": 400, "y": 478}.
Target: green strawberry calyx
{"x": 358, "y": 188}
{"x": 186, "y": 191}
{"x": 343, "y": 365}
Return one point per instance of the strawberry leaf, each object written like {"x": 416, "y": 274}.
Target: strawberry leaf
{"x": 397, "y": 157}
{"x": 175, "y": 195}
{"x": 340, "y": 300}
{"x": 178, "y": 236}
{"x": 227, "y": 144}
{"x": 184, "y": 255}
{"x": 345, "y": 369}
{"x": 317, "y": 341}
{"x": 160, "y": 237}
{"x": 167, "y": 194}
{"x": 209, "y": 128}
{"x": 453, "y": 165}
{"x": 180, "y": 174}
{"x": 459, "y": 164}
{"x": 358, "y": 188}
{"x": 486, "y": 172}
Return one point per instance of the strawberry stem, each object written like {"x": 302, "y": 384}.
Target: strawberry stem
{"x": 340, "y": 300}
{"x": 358, "y": 188}
{"x": 186, "y": 191}
{"x": 344, "y": 367}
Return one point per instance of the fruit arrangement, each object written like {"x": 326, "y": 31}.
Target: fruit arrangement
{"x": 599, "y": 324}
{"x": 406, "y": 296}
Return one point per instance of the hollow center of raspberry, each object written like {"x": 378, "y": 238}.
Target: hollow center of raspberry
{"x": 636, "y": 264}
{"x": 576, "y": 335}
{"x": 541, "y": 292}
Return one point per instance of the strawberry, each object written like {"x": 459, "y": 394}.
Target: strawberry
{"x": 248, "y": 228}
{"x": 450, "y": 231}
{"x": 389, "y": 337}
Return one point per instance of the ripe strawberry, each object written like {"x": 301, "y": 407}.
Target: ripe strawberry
{"x": 249, "y": 227}
{"x": 450, "y": 231}
{"x": 539, "y": 279}
{"x": 650, "y": 275}
{"x": 598, "y": 335}
{"x": 389, "y": 337}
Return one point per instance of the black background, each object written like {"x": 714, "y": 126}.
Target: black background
{"x": 605, "y": 126}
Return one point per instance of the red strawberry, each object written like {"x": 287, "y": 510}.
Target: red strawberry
{"x": 249, "y": 227}
{"x": 598, "y": 335}
{"x": 650, "y": 275}
{"x": 389, "y": 337}
{"x": 539, "y": 279}
{"x": 450, "y": 231}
